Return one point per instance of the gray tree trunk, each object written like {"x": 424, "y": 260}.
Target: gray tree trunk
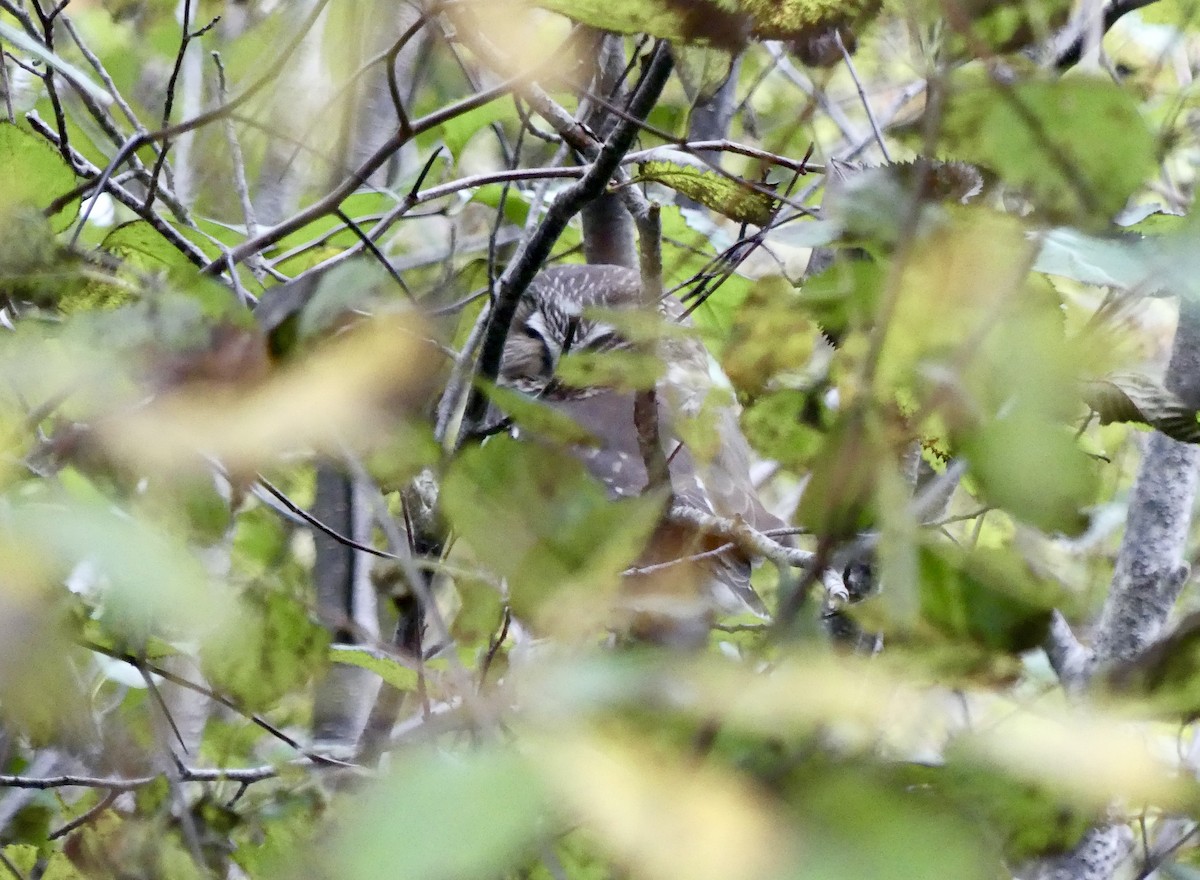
{"x": 1149, "y": 575}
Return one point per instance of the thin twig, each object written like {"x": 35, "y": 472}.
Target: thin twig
{"x": 131, "y": 783}
{"x": 217, "y": 698}
{"x": 737, "y": 532}
{"x": 862, "y": 95}
{"x": 240, "y": 183}
{"x": 87, "y": 816}
{"x": 166, "y": 134}
{"x": 645, "y": 402}
{"x": 126, "y": 198}
{"x": 60, "y": 118}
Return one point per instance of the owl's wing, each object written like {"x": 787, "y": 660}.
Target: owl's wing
{"x": 692, "y": 377}
{"x": 617, "y": 462}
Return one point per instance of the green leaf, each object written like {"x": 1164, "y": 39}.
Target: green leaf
{"x": 1009, "y": 26}
{"x": 701, "y": 183}
{"x": 1161, "y": 263}
{"x": 480, "y": 613}
{"x": 1124, "y": 262}
{"x": 986, "y": 27}
{"x": 33, "y": 174}
{"x": 276, "y": 650}
{"x": 544, "y": 421}
{"x": 715, "y": 316}
{"x": 22, "y": 856}
{"x": 964, "y": 271}
{"x": 987, "y": 597}
{"x": 1031, "y": 821}
{"x": 864, "y": 824}
{"x": 356, "y": 286}
{"x": 537, "y": 518}
{"x": 838, "y": 500}
{"x": 437, "y": 815}
{"x": 458, "y": 131}
{"x": 516, "y": 206}
{"x": 845, "y": 295}
{"x": 1041, "y": 137}
{"x": 1179, "y": 13}
{"x": 622, "y": 370}
{"x": 142, "y": 246}
{"x": 399, "y": 676}
{"x": 770, "y": 337}
{"x": 776, "y": 427}
{"x": 703, "y": 71}
{"x": 73, "y": 74}
{"x": 150, "y": 584}
{"x": 409, "y": 447}
{"x": 33, "y": 267}
{"x": 1034, "y": 469}
{"x": 59, "y": 867}
{"x": 723, "y": 23}
{"x": 1132, "y": 398}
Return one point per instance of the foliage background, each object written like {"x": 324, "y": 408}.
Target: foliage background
{"x": 269, "y": 609}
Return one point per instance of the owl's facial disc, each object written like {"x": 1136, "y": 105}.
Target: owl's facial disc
{"x": 542, "y": 356}
{"x": 536, "y": 331}
{"x": 528, "y": 361}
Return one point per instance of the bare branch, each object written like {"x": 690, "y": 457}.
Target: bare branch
{"x": 533, "y": 255}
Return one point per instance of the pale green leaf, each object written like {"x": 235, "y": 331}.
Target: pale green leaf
{"x": 1041, "y": 137}
{"x": 77, "y": 77}
{"x": 543, "y": 420}
{"x": 701, "y": 183}
{"x": 537, "y": 518}
{"x": 33, "y": 174}
{"x": 437, "y": 816}
{"x": 399, "y": 676}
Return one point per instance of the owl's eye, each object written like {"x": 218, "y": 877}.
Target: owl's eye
{"x": 546, "y": 362}
{"x": 572, "y": 333}
{"x": 603, "y": 342}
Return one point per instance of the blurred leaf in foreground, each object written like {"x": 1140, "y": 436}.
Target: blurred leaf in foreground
{"x": 536, "y": 517}
{"x": 436, "y": 816}
{"x": 665, "y": 818}
{"x": 350, "y": 389}
{"x": 1040, "y": 137}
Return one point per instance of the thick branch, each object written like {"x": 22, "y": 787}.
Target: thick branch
{"x": 1076, "y": 32}
{"x": 533, "y": 255}
{"x": 1150, "y": 571}
{"x": 1146, "y": 583}
{"x": 747, "y": 539}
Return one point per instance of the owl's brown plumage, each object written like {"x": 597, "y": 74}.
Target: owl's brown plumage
{"x": 553, "y": 318}
{"x": 550, "y": 320}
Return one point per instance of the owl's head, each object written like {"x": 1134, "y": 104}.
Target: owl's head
{"x": 552, "y": 319}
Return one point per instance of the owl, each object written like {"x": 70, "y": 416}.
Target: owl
{"x": 554, "y": 317}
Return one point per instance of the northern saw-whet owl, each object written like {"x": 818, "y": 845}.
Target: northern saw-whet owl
{"x": 554, "y": 317}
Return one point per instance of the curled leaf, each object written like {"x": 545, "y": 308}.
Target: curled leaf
{"x": 1129, "y": 397}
